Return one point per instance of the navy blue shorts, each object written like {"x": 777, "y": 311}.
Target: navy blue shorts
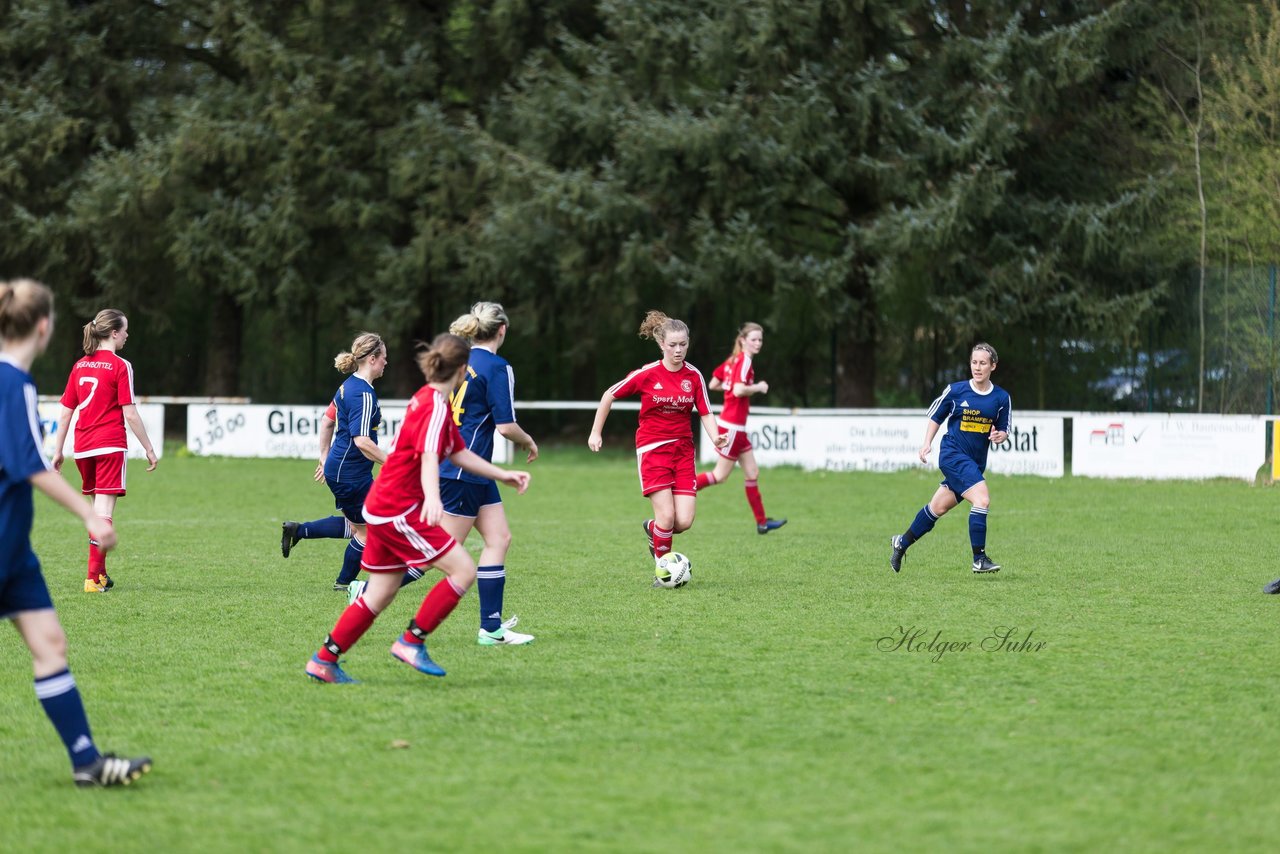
{"x": 349, "y": 498}
{"x": 960, "y": 474}
{"x": 464, "y": 498}
{"x": 22, "y": 586}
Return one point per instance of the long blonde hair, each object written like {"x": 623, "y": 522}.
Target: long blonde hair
{"x": 745, "y": 330}
{"x": 367, "y": 344}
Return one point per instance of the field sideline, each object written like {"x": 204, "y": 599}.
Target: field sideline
{"x": 758, "y": 709}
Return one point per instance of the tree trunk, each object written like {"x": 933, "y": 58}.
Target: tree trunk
{"x": 856, "y": 340}
{"x": 403, "y": 377}
{"x": 226, "y": 330}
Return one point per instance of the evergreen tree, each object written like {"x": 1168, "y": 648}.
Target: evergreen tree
{"x": 818, "y": 161}
{"x": 879, "y": 183}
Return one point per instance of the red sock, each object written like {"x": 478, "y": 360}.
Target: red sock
{"x": 661, "y": 541}
{"x": 96, "y": 563}
{"x": 351, "y": 626}
{"x": 440, "y": 602}
{"x": 707, "y": 478}
{"x": 97, "y": 558}
{"x": 753, "y": 498}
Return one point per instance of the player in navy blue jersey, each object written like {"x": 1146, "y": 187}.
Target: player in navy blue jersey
{"x": 348, "y": 466}
{"x": 977, "y": 412}
{"x": 483, "y": 405}
{"x": 26, "y": 325}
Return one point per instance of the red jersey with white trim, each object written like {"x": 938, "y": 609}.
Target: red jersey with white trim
{"x": 736, "y": 370}
{"x": 666, "y": 400}
{"x": 428, "y": 426}
{"x": 99, "y": 388}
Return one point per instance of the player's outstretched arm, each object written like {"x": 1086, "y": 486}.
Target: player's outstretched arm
{"x": 52, "y": 485}
{"x": 472, "y": 462}
{"x": 596, "y": 440}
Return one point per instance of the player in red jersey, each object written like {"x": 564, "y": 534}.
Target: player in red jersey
{"x": 737, "y": 377}
{"x": 100, "y": 389}
{"x": 404, "y": 512}
{"x": 670, "y": 390}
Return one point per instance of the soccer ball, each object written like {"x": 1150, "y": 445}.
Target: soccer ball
{"x": 674, "y": 571}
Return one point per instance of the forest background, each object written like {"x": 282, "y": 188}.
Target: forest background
{"x": 1091, "y": 186}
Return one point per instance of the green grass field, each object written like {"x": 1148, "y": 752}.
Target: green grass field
{"x": 757, "y": 709}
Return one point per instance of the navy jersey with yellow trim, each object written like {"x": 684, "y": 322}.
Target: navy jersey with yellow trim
{"x": 972, "y": 416}
{"x": 483, "y": 401}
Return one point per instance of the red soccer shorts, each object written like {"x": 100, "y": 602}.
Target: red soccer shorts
{"x": 739, "y": 443}
{"x": 668, "y": 466}
{"x": 400, "y": 542}
{"x": 102, "y": 474}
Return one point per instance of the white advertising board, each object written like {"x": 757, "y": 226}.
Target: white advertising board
{"x": 1167, "y": 446}
{"x": 152, "y": 415}
{"x": 252, "y": 430}
{"x": 890, "y": 443}
{"x": 1036, "y": 445}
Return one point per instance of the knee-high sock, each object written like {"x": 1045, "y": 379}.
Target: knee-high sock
{"x": 490, "y": 580}
{"x": 978, "y": 529}
{"x": 753, "y": 498}
{"x": 351, "y": 561}
{"x": 707, "y": 478}
{"x": 921, "y": 525}
{"x": 351, "y": 626}
{"x": 438, "y": 604}
{"x": 97, "y": 557}
{"x": 661, "y": 541}
{"x": 328, "y": 528}
{"x": 61, "y": 700}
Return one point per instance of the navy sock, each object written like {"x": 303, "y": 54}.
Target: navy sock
{"x": 411, "y": 575}
{"x": 921, "y": 525}
{"x": 61, "y": 700}
{"x": 978, "y": 529}
{"x": 351, "y": 561}
{"x": 328, "y": 528}
{"x": 490, "y": 580}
